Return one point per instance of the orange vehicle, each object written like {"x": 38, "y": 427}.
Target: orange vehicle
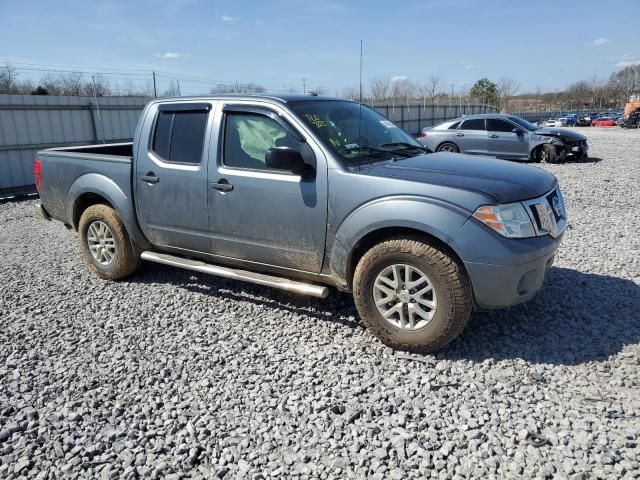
{"x": 632, "y": 105}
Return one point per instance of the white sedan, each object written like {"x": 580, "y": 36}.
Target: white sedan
{"x": 553, "y": 122}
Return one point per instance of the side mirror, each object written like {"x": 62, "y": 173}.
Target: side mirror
{"x": 288, "y": 159}
{"x": 517, "y": 131}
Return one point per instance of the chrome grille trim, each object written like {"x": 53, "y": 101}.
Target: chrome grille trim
{"x": 546, "y": 219}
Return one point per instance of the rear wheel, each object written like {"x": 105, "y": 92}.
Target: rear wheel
{"x": 105, "y": 245}
{"x": 411, "y": 295}
{"x": 448, "y": 147}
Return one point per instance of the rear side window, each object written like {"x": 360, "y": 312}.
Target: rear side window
{"x": 473, "y": 124}
{"x": 496, "y": 125}
{"x": 179, "y": 135}
{"x": 454, "y": 126}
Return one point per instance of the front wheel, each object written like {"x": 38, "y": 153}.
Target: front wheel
{"x": 547, "y": 154}
{"x": 105, "y": 245}
{"x": 411, "y": 295}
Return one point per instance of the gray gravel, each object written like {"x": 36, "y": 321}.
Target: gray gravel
{"x": 173, "y": 375}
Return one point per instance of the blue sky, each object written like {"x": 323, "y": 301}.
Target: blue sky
{"x": 277, "y": 43}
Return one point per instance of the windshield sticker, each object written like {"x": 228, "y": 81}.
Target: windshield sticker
{"x": 316, "y": 120}
{"x": 334, "y": 142}
{"x": 351, "y": 146}
{"x": 387, "y": 123}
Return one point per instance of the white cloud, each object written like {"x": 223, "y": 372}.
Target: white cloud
{"x": 628, "y": 63}
{"x": 171, "y": 55}
{"x": 398, "y": 78}
{"x": 598, "y": 42}
{"x": 228, "y": 18}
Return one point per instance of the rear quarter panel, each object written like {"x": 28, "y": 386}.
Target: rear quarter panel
{"x": 66, "y": 177}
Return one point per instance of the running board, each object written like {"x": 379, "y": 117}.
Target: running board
{"x": 244, "y": 275}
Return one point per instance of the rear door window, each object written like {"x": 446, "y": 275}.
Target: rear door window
{"x": 473, "y": 124}
{"x": 179, "y": 134}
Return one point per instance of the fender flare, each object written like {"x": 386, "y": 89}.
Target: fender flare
{"x": 105, "y": 187}
{"x": 430, "y": 216}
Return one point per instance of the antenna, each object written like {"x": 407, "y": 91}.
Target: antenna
{"x": 360, "y": 101}
{"x": 361, "y": 71}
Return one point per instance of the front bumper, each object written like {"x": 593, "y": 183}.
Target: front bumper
{"x": 500, "y": 286}
{"x": 507, "y": 271}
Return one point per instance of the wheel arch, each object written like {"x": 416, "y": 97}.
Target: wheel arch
{"x": 380, "y": 235}
{"x": 448, "y": 141}
{"x": 94, "y": 188}
{"x": 432, "y": 219}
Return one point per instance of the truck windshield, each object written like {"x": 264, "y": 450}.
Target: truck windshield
{"x": 355, "y": 132}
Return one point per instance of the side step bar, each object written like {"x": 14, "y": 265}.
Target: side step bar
{"x": 244, "y": 275}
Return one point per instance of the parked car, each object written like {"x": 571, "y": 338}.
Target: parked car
{"x": 584, "y": 121}
{"x": 603, "y": 122}
{"x": 553, "y": 122}
{"x": 298, "y": 193}
{"x": 505, "y": 136}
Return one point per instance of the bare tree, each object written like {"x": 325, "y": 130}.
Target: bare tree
{"x": 403, "y": 90}
{"x": 506, "y": 88}
{"x": 172, "y": 90}
{"x": 350, "y": 93}
{"x": 98, "y": 86}
{"x": 72, "y": 84}
{"x": 433, "y": 85}
{"x": 625, "y": 82}
{"x": 380, "y": 87}
{"x": 8, "y": 79}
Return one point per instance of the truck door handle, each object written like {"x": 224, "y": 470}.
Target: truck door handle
{"x": 223, "y": 185}
{"x": 150, "y": 178}
{"x": 459, "y": 134}
{"x": 494, "y": 136}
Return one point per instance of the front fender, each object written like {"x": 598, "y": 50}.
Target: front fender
{"x": 105, "y": 187}
{"x": 428, "y": 215}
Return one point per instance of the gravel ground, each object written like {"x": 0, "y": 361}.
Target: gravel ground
{"x": 173, "y": 375}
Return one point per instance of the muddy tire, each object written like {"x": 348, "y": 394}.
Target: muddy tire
{"x": 105, "y": 245}
{"x": 547, "y": 154}
{"x": 448, "y": 147}
{"x": 426, "y": 279}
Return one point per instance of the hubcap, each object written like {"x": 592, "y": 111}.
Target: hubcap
{"x": 446, "y": 148}
{"x": 405, "y": 297}
{"x": 101, "y": 243}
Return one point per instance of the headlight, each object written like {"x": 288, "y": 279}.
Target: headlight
{"x": 509, "y": 220}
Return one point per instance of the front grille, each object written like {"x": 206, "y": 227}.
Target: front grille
{"x": 548, "y": 213}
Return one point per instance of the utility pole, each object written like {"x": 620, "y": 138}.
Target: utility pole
{"x": 155, "y": 92}
{"x": 178, "y": 82}
{"x": 304, "y": 86}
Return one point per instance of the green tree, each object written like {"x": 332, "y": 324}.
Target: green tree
{"x": 485, "y": 91}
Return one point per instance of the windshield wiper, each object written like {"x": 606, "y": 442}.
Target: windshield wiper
{"x": 379, "y": 150}
{"x": 405, "y": 145}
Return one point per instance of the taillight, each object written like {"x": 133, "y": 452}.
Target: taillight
{"x": 36, "y": 174}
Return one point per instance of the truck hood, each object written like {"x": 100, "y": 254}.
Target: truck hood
{"x": 562, "y": 133}
{"x": 503, "y": 180}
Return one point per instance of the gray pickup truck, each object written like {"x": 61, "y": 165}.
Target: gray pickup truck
{"x": 301, "y": 193}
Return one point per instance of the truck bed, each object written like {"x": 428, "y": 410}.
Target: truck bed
{"x": 111, "y": 149}
{"x": 65, "y": 170}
